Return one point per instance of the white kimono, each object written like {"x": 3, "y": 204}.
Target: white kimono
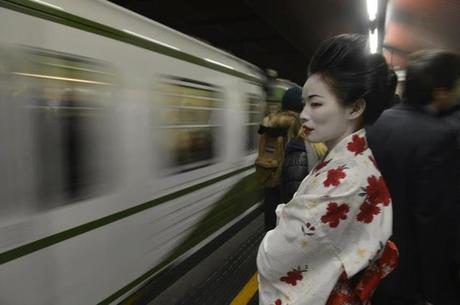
{"x": 339, "y": 219}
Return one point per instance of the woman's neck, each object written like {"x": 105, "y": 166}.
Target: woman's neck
{"x": 352, "y": 128}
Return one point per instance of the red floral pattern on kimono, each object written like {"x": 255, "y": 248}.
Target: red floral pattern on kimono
{"x": 358, "y": 144}
{"x": 336, "y": 223}
{"x": 335, "y": 213}
{"x": 334, "y": 175}
{"x": 293, "y": 276}
{"x": 377, "y": 191}
{"x": 367, "y": 212}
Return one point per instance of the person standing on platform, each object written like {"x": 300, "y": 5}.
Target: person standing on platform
{"x": 330, "y": 245}
{"x": 276, "y": 130}
{"x": 452, "y": 118}
{"x": 415, "y": 150}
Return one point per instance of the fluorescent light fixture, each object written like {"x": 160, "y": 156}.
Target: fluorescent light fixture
{"x": 372, "y": 6}
{"x": 219, "y": 63}
{"x": 152, "y": 40}
{"x": 401, "y": 75}
{"x": 75, "y": 80}
{"x": 48, "y": 4}
{"x": 373, "y": 40}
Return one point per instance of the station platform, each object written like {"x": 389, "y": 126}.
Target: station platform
{"x": 231, "y": 279}
{"x": 225, "y": 274}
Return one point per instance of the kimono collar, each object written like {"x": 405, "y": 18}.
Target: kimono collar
{"x": 350, "y": 146}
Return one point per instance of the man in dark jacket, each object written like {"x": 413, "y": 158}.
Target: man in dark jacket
{"x": 453, "y": 119}
{"x": 415, "y": 151}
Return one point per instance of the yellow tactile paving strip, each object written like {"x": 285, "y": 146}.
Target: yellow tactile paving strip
{"x": 249, "y": 290}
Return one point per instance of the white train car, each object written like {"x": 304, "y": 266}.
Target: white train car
{"x": 124, "y": 144}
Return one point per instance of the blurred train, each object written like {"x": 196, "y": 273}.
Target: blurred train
{"x": 124, "y": 145}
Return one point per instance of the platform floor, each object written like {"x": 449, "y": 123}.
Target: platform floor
{"x": 226, "y": 277}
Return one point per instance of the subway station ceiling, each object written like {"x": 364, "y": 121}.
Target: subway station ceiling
{"x": 420, "y": 24}
{"x": 282, "y": 35}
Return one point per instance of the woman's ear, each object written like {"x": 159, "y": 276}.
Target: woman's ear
{"x": 356, "y": 109}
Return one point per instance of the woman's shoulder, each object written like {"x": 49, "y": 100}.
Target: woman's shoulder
{"x": 343, "y": 171}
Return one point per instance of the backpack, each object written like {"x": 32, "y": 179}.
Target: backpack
{"x": 272, "y": 144}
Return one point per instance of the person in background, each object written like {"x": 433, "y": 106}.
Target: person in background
{"x": 330, "y": 245}
{"x": 452, "y": 118}
{"x": 299, "y": 159}
{"x": 276, "y": 131}
{"x": 415, "y": 150}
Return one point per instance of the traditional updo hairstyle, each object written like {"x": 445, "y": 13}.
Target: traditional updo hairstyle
{"x": 346, "y": 65}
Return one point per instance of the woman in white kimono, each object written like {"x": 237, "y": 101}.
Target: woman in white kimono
{"x": 340, "y": 219}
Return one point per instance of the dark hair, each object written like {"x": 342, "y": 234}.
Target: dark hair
{"x": 345, "y": 63}
{"x": 292, "y": 99}
{"x": 427, "y": 70}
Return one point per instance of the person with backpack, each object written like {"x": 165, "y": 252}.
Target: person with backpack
{"x": 276, "y": 130}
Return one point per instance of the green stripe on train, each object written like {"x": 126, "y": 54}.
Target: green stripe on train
{"x": 45, "y": 242}
{"x": 62, "y": 17}
{"x": 238, "y": 199}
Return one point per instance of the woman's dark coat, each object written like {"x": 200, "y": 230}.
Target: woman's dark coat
{"x": 295, "y": 168}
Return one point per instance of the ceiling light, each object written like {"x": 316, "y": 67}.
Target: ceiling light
{"x": 372, "y": 6}
{"x": 373, "y": 40}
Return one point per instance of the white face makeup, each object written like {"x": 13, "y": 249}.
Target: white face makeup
{"x": 324, "y": 119}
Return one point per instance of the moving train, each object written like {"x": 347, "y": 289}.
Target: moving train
{"x": 124, "y": 145}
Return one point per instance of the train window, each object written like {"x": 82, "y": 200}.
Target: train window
{"x": 190, "y": 122}
{"x": 254, "y": 114}
{"x": 68, "y": 100}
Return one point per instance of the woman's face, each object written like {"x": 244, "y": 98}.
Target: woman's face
{"x": 323, "y": 118}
